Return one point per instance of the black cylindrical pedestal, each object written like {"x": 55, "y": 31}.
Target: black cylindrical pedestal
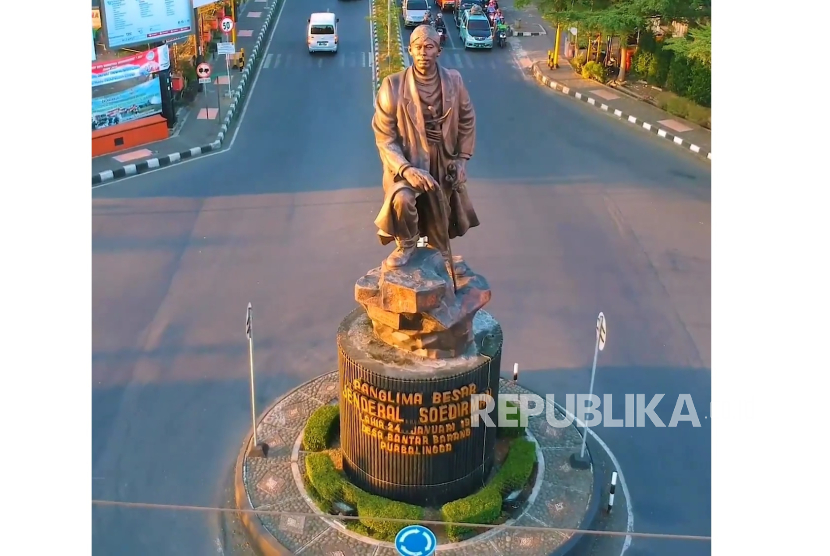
{"x": 405, "y": 430}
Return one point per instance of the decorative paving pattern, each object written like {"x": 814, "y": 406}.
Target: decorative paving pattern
{"x": 563, "y": 496}
{"x": 135, "y": 155}
{"x": 603, "y": 94}
{"x": 674, "y": 125}
{"x": 245, "y": 33}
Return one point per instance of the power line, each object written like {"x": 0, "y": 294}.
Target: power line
{"x": 149, "y": 506}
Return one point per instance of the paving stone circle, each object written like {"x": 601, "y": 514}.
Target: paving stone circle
{"x": 563, "y": 495}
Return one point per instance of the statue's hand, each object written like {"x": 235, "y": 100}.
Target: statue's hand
{"x": 420, "y": 179}
{"x": 461, "y": 166}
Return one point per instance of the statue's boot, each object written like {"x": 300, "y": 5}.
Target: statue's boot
{"x": 403, "y": 252}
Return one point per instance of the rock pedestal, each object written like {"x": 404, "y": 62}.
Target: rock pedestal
{"x": 415, "y": 308}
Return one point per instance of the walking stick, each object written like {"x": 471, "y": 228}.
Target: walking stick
{"x": 452, "y": 177}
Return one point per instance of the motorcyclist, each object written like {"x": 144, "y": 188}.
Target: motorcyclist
{"x": 439, "y": 23}
{"x": 427, "y": 19}
{"x": 501, "y": 25}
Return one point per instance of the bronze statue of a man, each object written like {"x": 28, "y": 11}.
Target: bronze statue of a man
{"x": 424, "y": 122}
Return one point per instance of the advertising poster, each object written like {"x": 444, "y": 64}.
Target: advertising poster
{"x": 131, "y": 22}
{"x": 133, "y": 104}
{"x": 96, "y": 19}
{"x": 137, "y": 65}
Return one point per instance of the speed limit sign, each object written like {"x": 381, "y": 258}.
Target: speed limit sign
{"x": 227, "y": 25}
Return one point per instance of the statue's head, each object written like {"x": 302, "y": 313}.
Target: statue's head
{"x": 424, "y": 47}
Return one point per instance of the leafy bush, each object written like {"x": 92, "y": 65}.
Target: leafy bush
{"x": 578, "y": 61}
{"x": 680, "y": 75}
{"x": 321, "y": 427}
{"x": 482, "y": 507}
{"x": 517, "y": 467}
{"x": 331, "y": 487}
{"x": 700, "y": 85}
{"x": 511, "y": 431}
{"x": 641, "y": 63}
{"x": 485, "y": 505}
{"x": 595, "y": 71}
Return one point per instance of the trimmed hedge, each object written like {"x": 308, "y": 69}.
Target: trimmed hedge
{"x": 511, "y": 432}
{"x": 332, "y": 487}
{"x": 321, "y": 427}
{"x": 485, "y": 505}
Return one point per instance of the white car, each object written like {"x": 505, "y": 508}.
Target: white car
{"x": 413, "y": 12}
{"x": 322, "y": 32}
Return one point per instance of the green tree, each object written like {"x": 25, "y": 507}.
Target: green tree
{"x": 696, "y": 45}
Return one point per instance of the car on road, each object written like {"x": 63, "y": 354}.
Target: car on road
{"x": 475, "y": 30}
{"x": 322, "y": 32}
{"x": 445, "y": 5}
{"x": 413, "y": 12}
{"x": 462, "y": 6}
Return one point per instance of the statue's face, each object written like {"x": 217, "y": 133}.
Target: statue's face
{"x": 424, "y": 54}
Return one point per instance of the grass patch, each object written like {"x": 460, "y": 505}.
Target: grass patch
{"x": 684, "y": 108}
{"x": 389, "y": 53}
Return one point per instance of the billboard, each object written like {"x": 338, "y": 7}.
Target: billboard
{"x": 131, "y": 22}
{"x": 133, "y": 104}
{"x": 137, "y": 65}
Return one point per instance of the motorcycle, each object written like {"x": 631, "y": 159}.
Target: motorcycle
{"x": 442, "y": 36}
{"x": 502, "y": 35}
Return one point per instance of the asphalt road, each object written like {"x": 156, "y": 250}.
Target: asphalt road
{"x": 580, "y": 214}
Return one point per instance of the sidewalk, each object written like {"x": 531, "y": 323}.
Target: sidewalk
{"x": 201, "y": 126}
{"x": 613, "y": 100}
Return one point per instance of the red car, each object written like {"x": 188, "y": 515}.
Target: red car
{"x": 445, "y": 5}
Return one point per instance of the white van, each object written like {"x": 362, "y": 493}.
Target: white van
{"x": 322, "y": 32}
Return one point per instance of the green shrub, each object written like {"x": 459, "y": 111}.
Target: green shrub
{"x": 595, "y": 71}
{"x": 515, "y": 431}
{"x": 321, "y": 427}
{"x": 517, "y": 467}
{"x": 324, "y": 477}
{"x": 330, "y": 486}
{"x": 371, "y": 507}
{"x": 699, "y": 90}
{"x": 641, "y": 63}
{"x": 680, "y": 75}
{"x": 485, "y": 505}
{"x": 579, "y": 61}
{"x": 482, "y": 507}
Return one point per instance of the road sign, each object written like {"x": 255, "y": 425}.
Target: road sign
{"x": 203, "y": 71}
{"x": 204, "y": 80}
{"x": 226, "y": 48}
{"x": 226, "y": 25}
{"x": 602, "y": 331}
{"x": 574, "y": 31}
{"x": 415, "y": 540}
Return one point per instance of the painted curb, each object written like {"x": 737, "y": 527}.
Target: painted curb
{"x": 546, "y": 81}
{"x": 266, "y": 544}
{"x": 397, "y": 25}
{"x": 239, "y": 96}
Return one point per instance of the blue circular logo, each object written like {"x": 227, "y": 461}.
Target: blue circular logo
{"x": 416, "y": 540}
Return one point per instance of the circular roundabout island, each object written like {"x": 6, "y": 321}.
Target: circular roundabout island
{"x": 310, "y": 505}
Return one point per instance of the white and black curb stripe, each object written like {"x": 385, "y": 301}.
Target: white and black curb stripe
{"x": 238, "y": 97}
{"x": 612, "y": 491}
{"x": 529, "y": 34}
{"x": 396, "y": 23}
{"x": 376, "y": 68}
{"x": 537, "y": 73}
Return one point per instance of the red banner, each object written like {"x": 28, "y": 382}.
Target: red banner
{"x": 137, "y": 65}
